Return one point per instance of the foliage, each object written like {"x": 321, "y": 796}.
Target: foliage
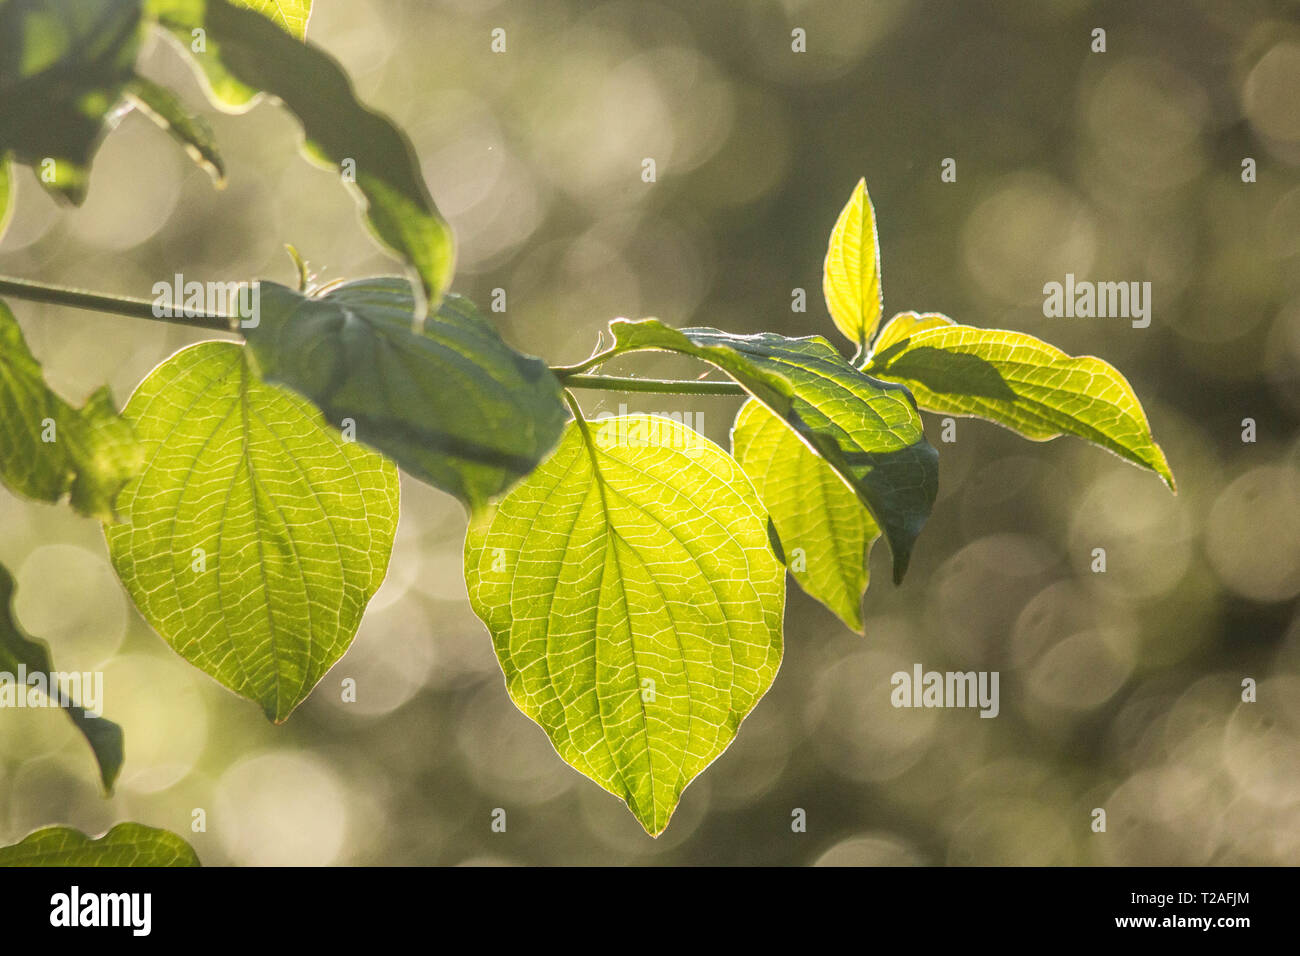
{"x": 629, "y": 571}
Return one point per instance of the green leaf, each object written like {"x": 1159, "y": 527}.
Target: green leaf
{"x": 19, "y": 650}
{"x": 47, "y": 447}
{"x": 256, "y": 534}
{"x": 851, "y": 274}
{"x": 634, "y": 603}
{"x": 181, "y": 18}
{"x": 1019, "y": 382}
{"x": 825, "y": 531}
{"x": 289, "y": 15}
{"x": 453, "y": 404}
{"x": 6, "y": 193}
{"x": 63, "y": 67}
{"x": 192, "y": 132}
{"x": 371, "y": 154}
{"x": 869, "y": 431}
{"x": 127, "y": 844}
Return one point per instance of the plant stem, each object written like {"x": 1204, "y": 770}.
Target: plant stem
{"x": 616, "y": 383}
{"x": 144, "y": 309}
{"x": 121, "y": 305}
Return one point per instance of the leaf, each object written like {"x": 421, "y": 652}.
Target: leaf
{"x": 867, "y": 430}
{"x": 90, "y": 453}
{"x": 256, "y": 535}
{"x": 184, "y": 20}
{"x": 290, "y": 15}
{"x": 63, "y": 67}
{"x": 1019, "y": 382}
{"x": 851, "y": 274}
{"x": 453, "y": 405}
{"x": 127, "y": 844}
{"x": 20, "y": 651}
{"x": 6, "y": 193}
{"x": 637, "y": 553}
{"x": 825, "y": 531}
{"x": 372, "y": 155}
{"x": 192, "y": 132}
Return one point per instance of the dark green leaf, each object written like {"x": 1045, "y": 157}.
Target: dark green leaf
{"x": 18, "y": 649}
{"x": 192, "y": 132}
{"x": 869, "y": 431}
{"x": 63, "y": 67}
{"x": 371, "y": 154}
{"x": 47, "y": 447}
{"x": 453, "y": 405}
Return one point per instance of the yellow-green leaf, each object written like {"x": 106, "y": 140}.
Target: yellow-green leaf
{"x": 634, "y": 603}
{"x": 1019, "y": 382}
{"x": 256, "y": 534}
{"x": 851, "y": 276}
{"x": 6, "y": 193}
{"x": 825, "y": 531}
{"x": 127, "y": 844}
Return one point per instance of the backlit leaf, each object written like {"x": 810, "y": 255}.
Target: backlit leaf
{"x": 47, "y": 447}
{"x": 6, "y": 193}
{"x": 1018, "y": 381}
{"x": 634, "y": 602}
{"x": 825, "y": 531}
{"x": 127, "y": 844}
{"x": 255, "y": 535}
{"x": 192, "y": 132}
{"x": 851, "y": 273}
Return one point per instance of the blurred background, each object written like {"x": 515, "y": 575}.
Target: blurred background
{"x": 1119, "y": 690}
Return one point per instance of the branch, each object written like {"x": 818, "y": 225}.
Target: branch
{"x": 616, "y": 383}
{"x": 121, "y": 305}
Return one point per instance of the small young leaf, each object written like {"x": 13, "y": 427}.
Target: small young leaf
{"x": 370, "y": 153}
{"x": 634, "y": 603}
{"x": 256, "y": 535}
{"x": 47, "y": 447}
{"x": 17, "y": 649}
{"x": 1019, "y": 382}
{"x": 127, "y": 844}
{"x": 851, "y": 274}
{"x": 825, "y": 531}
{"x": 192, "y": 132}
{"x": 63, "y": 67}
{"x": 453, "y": 405}
{"x": 867, "y": 430}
